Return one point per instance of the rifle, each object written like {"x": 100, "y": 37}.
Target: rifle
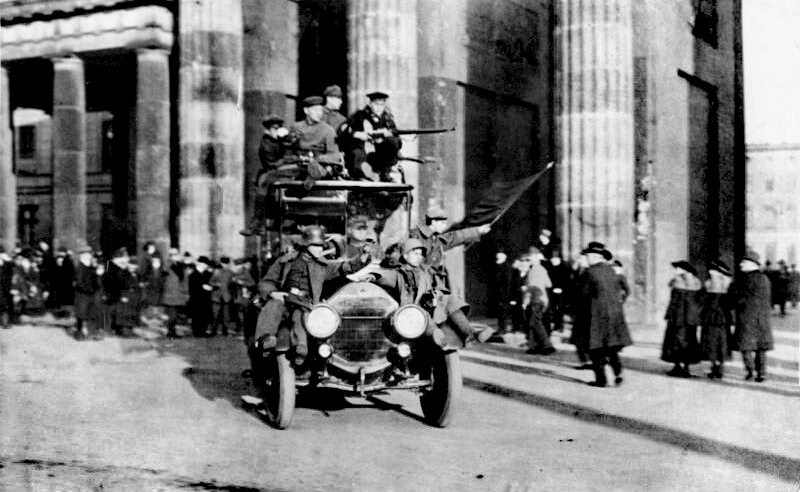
{"x": 413, "y": 131}
{"x": 425, "y": 131}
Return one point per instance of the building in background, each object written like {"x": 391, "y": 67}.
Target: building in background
{"x": 772, "y": 74}
{"x": 773, "y": 207}
{"x": 136, "y": 120}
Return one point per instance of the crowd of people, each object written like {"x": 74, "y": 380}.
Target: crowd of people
{"x": 538, "y": 290}
{"x": 705, "y": 320}
{"x": 111, "y": 296}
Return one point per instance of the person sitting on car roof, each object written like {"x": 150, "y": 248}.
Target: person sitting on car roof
{"x": 374, "y": 143}
{"x": 292, "y": 285}
{"x": 308, "y": 151}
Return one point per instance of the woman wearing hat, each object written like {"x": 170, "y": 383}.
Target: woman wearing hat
{"x": 716, "y": 318}
{"x": 683, "y": 316}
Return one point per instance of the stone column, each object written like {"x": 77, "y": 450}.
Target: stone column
{"x": 442, "y": 50}
{"x": 69, "y": 152}
{"x": 8, "y": 181}
{"x": 152, "y": 148}
{"x": 594, "y": 120}
{"x": 211, "y": 128}
{"x": 383, "y": 56}
{"x": 270, "y": 73}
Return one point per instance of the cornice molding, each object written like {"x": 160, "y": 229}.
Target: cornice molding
{"x": 141, "y": 27}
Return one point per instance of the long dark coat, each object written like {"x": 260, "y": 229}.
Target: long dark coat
{"x": 176, "y": 286}
{"x": 683, "y": 317}
{"x": 87, "y": 287}
{"x": 604, "y": 322}
{"x": 120, "y": 286}
{"x": 6, "y": 277}
{"x": 752, "y": 295}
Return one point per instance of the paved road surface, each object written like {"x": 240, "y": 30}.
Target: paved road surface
{"x": 141, "y": 414}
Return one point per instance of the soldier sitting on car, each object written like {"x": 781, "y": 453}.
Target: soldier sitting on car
{"x": 292, "y": 285}
{"x": 411, "y": 282}
{"x": 374, "y": 141}
{"x": 308, "y": 151}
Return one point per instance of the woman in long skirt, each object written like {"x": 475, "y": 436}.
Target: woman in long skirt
{"x": 683, "y": 316}
{"x": 716, "y": 318}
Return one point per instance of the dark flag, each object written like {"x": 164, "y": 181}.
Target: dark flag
{"x": 497, "y": 199}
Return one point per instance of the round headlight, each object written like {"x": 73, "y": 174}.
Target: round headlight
{"x": 322, "y": 321}
{"x": 410, "y": 321}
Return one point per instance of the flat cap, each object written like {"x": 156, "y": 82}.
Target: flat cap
{"x": 119, "y": 253}
{"x": 377, "y": 95}
{"x": 312, "y": 101}
{"x": 271, "y": 120}
{"x": 357, "y": 221}
{"x": 411, "y": 244}
{"x": 332, "y": 90}
{"x": 435, "y": 212}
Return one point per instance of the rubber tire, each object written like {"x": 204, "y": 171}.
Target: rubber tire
{"x": 438, "y": 403}
{"x": 279, "y": 394}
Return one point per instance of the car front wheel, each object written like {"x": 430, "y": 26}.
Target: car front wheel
{"x": 438, "y": 401}
{"x": 279, "y": 392}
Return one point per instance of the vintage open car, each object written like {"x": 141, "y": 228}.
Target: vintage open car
{"x": 360, "y": 339}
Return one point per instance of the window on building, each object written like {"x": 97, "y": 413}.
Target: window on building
{"x": 27, "y": 142}
{"x": 705, "y": 21}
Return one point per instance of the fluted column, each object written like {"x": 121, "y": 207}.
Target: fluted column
{"x": 69, "y": 152}
{"x": 152, "y": 148}
{"x": 8, "y": 182}
{"x": 270, "y": 73}
{"x": 594, "y": 101}
{"x": 211, "y": 127}
{"x": 383, "y": 56}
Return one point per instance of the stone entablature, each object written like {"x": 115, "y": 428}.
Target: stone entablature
{"x": 142, "y": 27}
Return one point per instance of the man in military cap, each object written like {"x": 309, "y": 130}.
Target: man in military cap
{"x": 313, "y": 142}
{"x": 330, "y": 113}
{"x": 292, "y": 285}
{"x": 374, "y": 142}
{"x": 437, "y": 240}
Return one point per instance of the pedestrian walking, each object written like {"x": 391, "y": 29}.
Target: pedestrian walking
{"x": 752, "y": 296}
{"x": 580, "y": 322}
{"x": 716, "y": 318}
{"x": 87, "y": 287}
{"x": 602, "y": 315}
{"x": 535, "y": 302}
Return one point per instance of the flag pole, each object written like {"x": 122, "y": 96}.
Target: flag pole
{"x": 507, "y": 207}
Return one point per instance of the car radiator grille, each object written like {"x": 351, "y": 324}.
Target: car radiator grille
{"x": 361, "y": 339}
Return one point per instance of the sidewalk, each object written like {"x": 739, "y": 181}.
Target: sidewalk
{"x": 645, "y": 353}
